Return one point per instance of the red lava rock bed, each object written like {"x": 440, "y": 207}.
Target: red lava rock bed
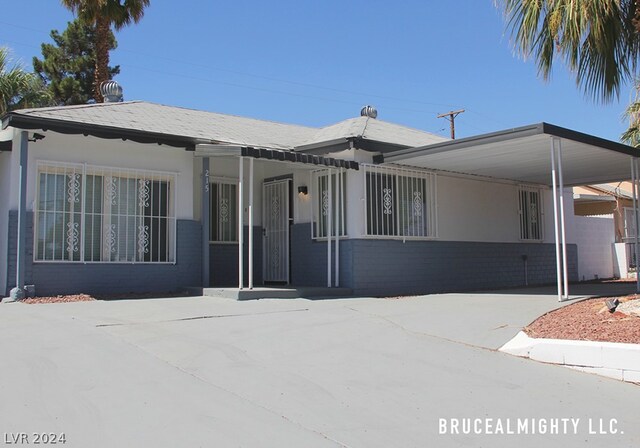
{"x": 88, "y": 298}
{"x": 588, "y": 320}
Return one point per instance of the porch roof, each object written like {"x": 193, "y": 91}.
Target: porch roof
{"x": 209, "y": 150}
{"x": 524, "y": 155}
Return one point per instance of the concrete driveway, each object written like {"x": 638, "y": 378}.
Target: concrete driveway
{"x": 366, "y": 372}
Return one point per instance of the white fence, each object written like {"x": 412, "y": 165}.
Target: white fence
{"x": 595, "y": 237}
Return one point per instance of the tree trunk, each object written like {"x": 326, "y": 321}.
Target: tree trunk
{"x": 102, "y": 56}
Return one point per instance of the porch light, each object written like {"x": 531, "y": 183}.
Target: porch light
{"x": 303, "y": 190}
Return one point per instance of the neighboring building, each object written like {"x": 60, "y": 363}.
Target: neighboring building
{"x": 135, "y": 196}
{"x": 615, "y": 200}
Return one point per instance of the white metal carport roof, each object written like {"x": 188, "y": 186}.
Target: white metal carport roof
{"x": 541, "y": 154}
{"x": 524, "y": 155}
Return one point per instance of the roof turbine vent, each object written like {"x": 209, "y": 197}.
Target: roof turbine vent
{"x": 111, "y": 91}
{"x": 369, "y": 111}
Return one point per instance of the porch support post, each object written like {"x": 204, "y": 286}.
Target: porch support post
{"x": 206, "y": 221}
{"x": 563, "y": 233}
{"x": 336, "y": 282}
{"x": 555, "y": 217}
{"x": 251, "y": 223}
{"x": 634, "y": 196}
{"x": 18, "y": 293}
{"x": 240, "y": 222}
{"x": 329, "y": 224}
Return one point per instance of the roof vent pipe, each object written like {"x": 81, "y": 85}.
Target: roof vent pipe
{"x": 369, "y": 111}
{"x": 111, "y": 91}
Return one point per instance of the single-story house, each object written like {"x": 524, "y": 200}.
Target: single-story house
{"x": 135, "y": 196}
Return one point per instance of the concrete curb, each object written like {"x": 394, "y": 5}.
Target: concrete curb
{"x": 610, "y": 359}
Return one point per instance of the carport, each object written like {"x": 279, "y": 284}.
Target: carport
{"x": 540, "y": 154}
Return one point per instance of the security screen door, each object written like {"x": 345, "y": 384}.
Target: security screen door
{"x": 275, "y": 219}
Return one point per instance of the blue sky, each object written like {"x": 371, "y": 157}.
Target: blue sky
{"x": 316, "y": 63}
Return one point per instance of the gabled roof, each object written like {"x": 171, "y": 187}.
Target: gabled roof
{"x": 375, "y": 130}
{"x": 149, "y": 122}
{"x": 168, "y": 122}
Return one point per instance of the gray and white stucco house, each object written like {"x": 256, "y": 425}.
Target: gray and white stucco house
{"x": 135, "y": 196}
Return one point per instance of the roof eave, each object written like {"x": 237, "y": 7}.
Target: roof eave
{"x": 509, "y": 134}
{"x": 21, "y": 121}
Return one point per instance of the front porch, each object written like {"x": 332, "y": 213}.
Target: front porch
{"x": 269, "y": 221}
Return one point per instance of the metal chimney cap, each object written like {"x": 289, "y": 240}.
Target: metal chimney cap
{"x": 369, "y": 111}
{"x": 111, "y": 91}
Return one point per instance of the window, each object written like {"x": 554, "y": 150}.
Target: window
{"x": 224, "y": 211}
{"x": 400, "y": 202}
{"x": 320, "y": 195}
{"x": 629, "y": 224}
{"x": 530, "y": 210}
{"x": 88, "y": 213}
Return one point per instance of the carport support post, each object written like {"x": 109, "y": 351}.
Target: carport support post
{"x": 555, "y": 217}
{"x": 563, "y": 233}
{"x": 251, "y": 223}
{"x": 329, "y": 222}
{"x": 240, "y": 223}
{"x": 634, "y": 196}
{"x": 206, "y": 221}
{"x": 18, "y": 293}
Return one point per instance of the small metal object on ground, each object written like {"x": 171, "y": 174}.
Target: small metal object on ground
{"x": 612, "y": 304}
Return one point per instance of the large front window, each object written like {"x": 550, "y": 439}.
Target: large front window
{"x": 89, "y": 213}
{"x": 399, "y": 202}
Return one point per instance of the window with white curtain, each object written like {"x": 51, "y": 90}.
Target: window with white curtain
{"x": 88, "y": 213}
{"x": 400, "y": 202}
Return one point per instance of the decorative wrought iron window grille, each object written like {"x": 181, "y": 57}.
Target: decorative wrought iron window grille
{"x": 224, "y": 211}
{"x": 399, "y": 202}
{"x": 87, "y": 213}
{"x": 530, "y": 209}
{"x": 320, "y": 197}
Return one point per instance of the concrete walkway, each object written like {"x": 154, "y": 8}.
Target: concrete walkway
{"x": 364, "y": 372}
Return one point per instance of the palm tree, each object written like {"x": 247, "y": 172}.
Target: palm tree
{"x": 103, "y": 14}
{"x": 597, "y": 39}
{"x": 19, "y": 89}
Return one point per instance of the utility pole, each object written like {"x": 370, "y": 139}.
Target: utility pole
{"x": 451, "y": 116}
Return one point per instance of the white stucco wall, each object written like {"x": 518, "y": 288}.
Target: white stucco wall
{"x": 595, "y": 236}
{"x": 478, "y": 210}
{"x": 112, "y": 153}
{"x": 469, "y": 210}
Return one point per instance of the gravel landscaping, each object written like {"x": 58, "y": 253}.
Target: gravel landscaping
{"x": 590, "y": 320}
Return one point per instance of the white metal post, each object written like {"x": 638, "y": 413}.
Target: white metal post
{"x": 634, "y": 196}
{"x": 555, "y": 218}
{"x": 329, "y": 227}
{"x": 251, "y": 223}
{"x": 563, "y": 233}
{"x": 240, "y": 223}
{"x": 336, "y": 281}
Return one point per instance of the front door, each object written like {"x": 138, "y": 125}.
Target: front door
{"x": 275, "y": 221}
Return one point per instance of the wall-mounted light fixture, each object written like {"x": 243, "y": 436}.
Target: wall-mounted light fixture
{"x": 303, "y": 190}
{"x": 36, "y": 137}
